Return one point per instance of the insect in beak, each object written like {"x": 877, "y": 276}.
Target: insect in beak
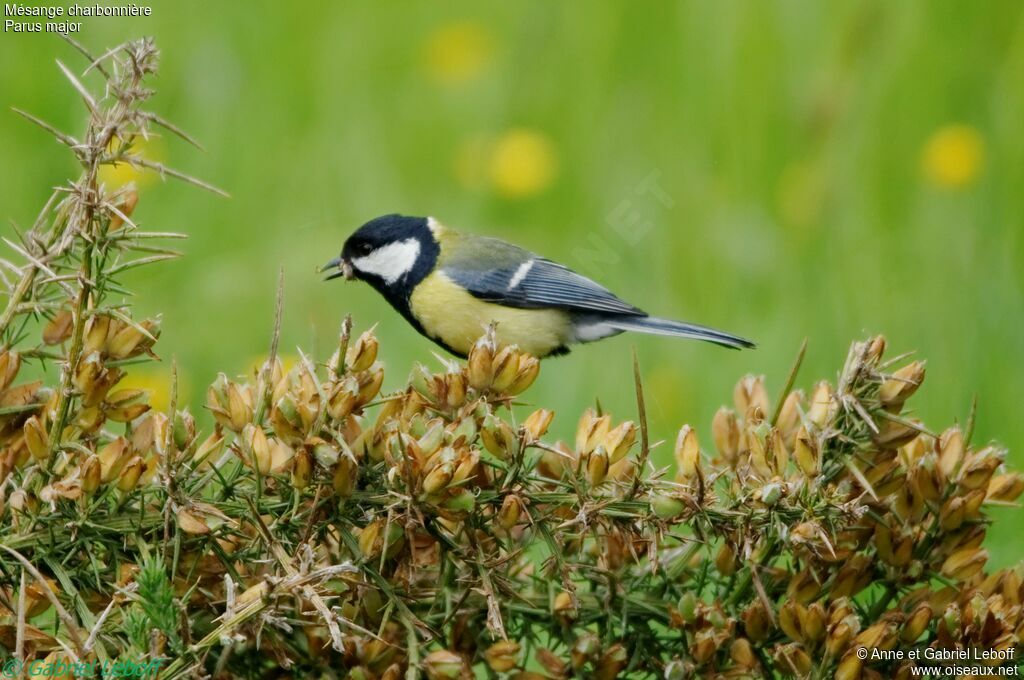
{"x": 344, "y": 269}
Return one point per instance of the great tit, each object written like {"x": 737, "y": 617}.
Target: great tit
{"x": 451, "y": 286}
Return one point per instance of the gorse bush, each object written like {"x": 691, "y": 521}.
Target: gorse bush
{"x": 322, "y": 529}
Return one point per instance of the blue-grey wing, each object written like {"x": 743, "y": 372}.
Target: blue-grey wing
{"x": 534, "y": 282}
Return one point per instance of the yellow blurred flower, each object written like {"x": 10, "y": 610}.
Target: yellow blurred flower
{"x": 156, "y": 381}
{"x": 458, "y": 52}
{"x": 522, "y": 163}
{"x": 953, "y": 156}
{"x": 116, "y": 176}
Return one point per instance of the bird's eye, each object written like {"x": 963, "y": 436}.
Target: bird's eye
{"x": 365, "y": 248}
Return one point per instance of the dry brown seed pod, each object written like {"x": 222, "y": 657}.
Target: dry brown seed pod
{"x": 255, "y": 448}
{"x": 742, "y": 652}
{"x": 790, "y": 614}
{"x": 526, "y": 374}
{"x": 131, "y": 473}
{"x": 455, "y": 387}
{"x": 584, "y": 648}
{"x": 479, "y": 362}
{"x": 951, "y": 516}
{"x": 370, "y": 542}
{"x": 90, "y": 474}
{"x": 345, "y": 475}
{"x": 916, "y": 622}
{"x": 611, "y": 662}
{"x": 58, "y": 329}
{"x": 231, "y": 405}
{"x": 726, "y": 433}
{"x": 704, "y": 647}
{"x": 123, "y": 342}
{"x": 537, "y": 423}
{"x": 343, "y": 398}
{"x": 302, "y": 469}
{"x": 849, "y": 668}
{"x": 838, "y": 640}
{"x": 964, "y": 564}
{"x": 36, "y": 438}
{"x": 497, "y": 437}
{"x": 504, "y": 368}
{"x": 619, "y": 440}
{"x": 438, "y": 478}
{"x": 432, "y": 439}
{"x": 510, "y": 512}
{"x": 757, "y": 452}
{"x": 282, "y": 456}
{"x": 87, "y": 375}
{"x": 812, "y": 623}
{"x": 362, "y": 353}
{"x": 369, "y": 385}
{"x": 926, "y": 479}
{"x": 113, "y": 456}
{"x": 591, "y": 430}
{"x": 190, "y": 522}
{"x": 901, "y": 385}
{"x": 852, "y": 577}
{"x": 821, "y": 404}
{"x": 951, "y": 451}
{"x": 597, "y": 466}
{"x": 1006, "y": 488}
{"x": 725, "y": 559}
{"x": 210, "y": 449}
{"x": 466, "y": 465}
{"x": 979, "y": 467}
{"x": 563, "y": 606}
{"x": 807, "y": 453}
{"x": 789, "y": 415}
{"x": 804, "y": 587}
{"x": 687, "y": 454}
{"x": 751, "y": 397}
{"x": 552, "y": 663}
{"x": 96, "y": 331}
{"x": 502, "y": 656}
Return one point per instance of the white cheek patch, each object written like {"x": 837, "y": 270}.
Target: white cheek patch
{"x": 390, "y": 262}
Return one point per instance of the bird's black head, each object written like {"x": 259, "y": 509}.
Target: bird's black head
{"x": 392, "y": 253}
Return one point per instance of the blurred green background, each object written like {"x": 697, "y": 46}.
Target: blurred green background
{"x": 782, "y": 170}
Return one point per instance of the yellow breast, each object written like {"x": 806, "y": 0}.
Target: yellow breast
{"x": 450, "y": 314}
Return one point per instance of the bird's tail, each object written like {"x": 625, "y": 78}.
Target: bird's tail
{"x": 679, "y": 329}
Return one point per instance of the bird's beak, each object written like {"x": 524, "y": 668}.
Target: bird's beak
{"x": 343, "y": 266}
